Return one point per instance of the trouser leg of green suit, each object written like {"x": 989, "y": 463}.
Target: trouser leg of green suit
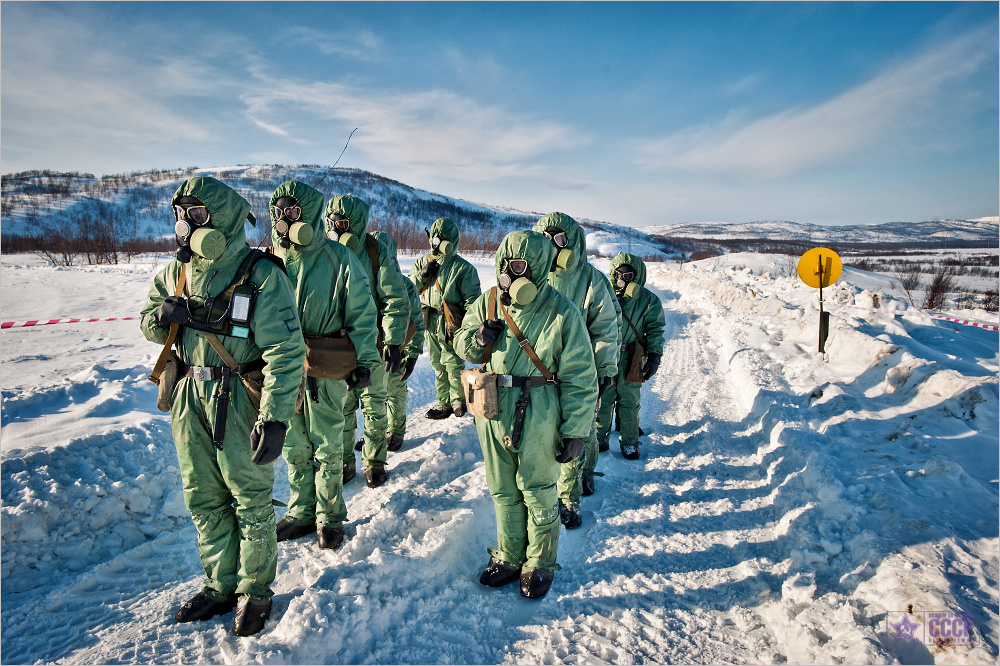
{"x": 606, "y": 410}
{"x": 523, "y": 488}
{"x": 229, "y": 497}
{"x": 372, "y": 401}
{"x": 448, "y": 368}
{"x": 395, "y": 403}
{"x": 628, "y": 406}
{"x": 313, "y": 451}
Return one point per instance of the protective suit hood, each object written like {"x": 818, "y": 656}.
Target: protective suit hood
{"x": 354, "y": 209}
{"x": 311, "y": 202}
{"x": 635, "y": 262}
{"x": 574, "y": 232}
{"x": 227, "y": 208}
{"x": 388, "y": 241}
{"x": 536, "y": 248}
{"x": 447, "y": 228}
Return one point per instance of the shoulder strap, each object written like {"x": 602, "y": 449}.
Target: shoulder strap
{"x": 638, "y": 336}
{"x": 372, "y": 245}
{"x": 223, "y": 353}
{"x": 491, "y": 313}
{"x": 161, "y": 361}
{"x": 526, "y": 346}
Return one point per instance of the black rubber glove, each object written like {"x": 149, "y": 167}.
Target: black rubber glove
{"x": 604, "y": 384}
{"x": 408, "y": 370}
{"x": 430, "y": 271}
{"x": 572, "y": 447}
{"x": 266, "y": 441}
{"x": 488, "y": 332}
{"x": 360, "y": 378}
{"x": 393, "y": 358}
{"x": 173, "y": 310}
{"x": 651, "y": 366}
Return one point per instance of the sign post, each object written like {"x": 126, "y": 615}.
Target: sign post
{"x": 821, "y": 267}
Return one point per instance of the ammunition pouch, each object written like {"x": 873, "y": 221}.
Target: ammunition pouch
{"x": 480, "y": 388}
{"x": 453, "y": 316}
{"x": 637, "y": 356}
{"x": 168, "y": 381}
{"x": 330, "y": 357}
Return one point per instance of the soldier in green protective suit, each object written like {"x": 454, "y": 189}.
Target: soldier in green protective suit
{"x": 581, "y": 282}
{"x": 238, "y": 299}
{"x": 395, "y": 383}
{"x": 543, "y": 416}
{"x": 444, "y": 277}
{"x": 334, "y": 300}
{"x": 642, "y": 313}
{"x": 347, "y": 222}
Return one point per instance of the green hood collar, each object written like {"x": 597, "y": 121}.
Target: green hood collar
{"x": 227, "y": 208}
{"x": 353, "y": 208}
{"x": 388, "y": 241}
{"x": 635, "y": 262}
{"x": 536, "y": 248}
{"x": 311, "y": 202}
{"x": 577, "y": 238}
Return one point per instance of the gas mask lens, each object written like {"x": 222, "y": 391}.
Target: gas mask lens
{"x": 338, "y": 223}
{"x": 624, "y": 284}
{"x": 289, "y": 213}
{"x": 558, "y": 237}
{"x": 196, "y": 215}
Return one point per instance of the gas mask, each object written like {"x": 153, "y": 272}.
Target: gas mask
{"x": 193, "y": 231}
{"x": 565, "y": 257}
{"x": 338, "y": 227}
{"x": 624, "y": 286}
{"x": 287, "y": 217}
{"x": 440, "y": 246}
{"x": 515, "y": 282}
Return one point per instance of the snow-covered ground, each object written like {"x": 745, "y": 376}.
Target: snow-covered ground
{"x": 787, "y": 503}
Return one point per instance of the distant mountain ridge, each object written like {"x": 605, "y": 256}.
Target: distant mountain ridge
{"x": 985, "y": 232}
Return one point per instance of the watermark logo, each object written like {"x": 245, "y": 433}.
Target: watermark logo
{"x": 931, "y": 628}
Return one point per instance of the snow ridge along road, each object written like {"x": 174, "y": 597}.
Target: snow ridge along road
{"x": 784, "y": 503}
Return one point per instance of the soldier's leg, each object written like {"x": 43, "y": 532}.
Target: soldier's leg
{"x": 606, "y": 412}
{"x": 206, "y": 494}
{"x": 351, "y": 403}
{"x": 326, "y": 422}
{"x": 442, "y": 382}
{"x": 373, "y": 405}
{"x": 395, "y": 389}
{"x": 454, "y": 365}
{"x": 537, "y": 473}
{"x": 589, "y": 456}
{"x": 628, "y": 410}
{"x": 568, "y": 486}
{"x": 508, "y": 501}
{"x": 298, "y": 454}
{"x": 251, "y": 486}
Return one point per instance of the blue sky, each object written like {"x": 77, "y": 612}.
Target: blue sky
{"x": 632, "y": 113}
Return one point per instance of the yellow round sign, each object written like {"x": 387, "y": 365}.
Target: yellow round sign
{"x": 820, "y": 267}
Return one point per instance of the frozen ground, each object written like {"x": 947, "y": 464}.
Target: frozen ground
{"x": 785, "y": 504}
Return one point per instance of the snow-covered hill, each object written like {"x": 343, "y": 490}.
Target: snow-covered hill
{"x": 787, "y": 505}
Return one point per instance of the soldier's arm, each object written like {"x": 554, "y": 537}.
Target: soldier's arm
{"x": 276, "y": 331}
{"x": 157, "y": 293}
{"x": 360, "y": 315}
{"x": 396, "y": 314}
{"x": 416, "y": 346}
{"x": 602, "y": 325}
{"x": 577, "y": 376}
{"x": 465, "y": 338}
{"x": 655, "y": 323}
{"x": 469, "y": 288}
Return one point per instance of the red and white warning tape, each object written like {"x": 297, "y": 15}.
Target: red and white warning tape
{"x": 929, "y": 315}
{"x": 39, "y": 322}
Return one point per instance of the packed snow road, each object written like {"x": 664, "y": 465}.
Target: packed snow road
{"x": 785, "y": 506}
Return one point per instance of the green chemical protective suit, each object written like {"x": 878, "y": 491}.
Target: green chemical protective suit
{"x": 332, "y": 293}
{"x": 522, "y": 480}
{"x": 459, "y": 281}
{"x": 588, "y": 288}
{"x": 229, "y": 496}
{"x": 393, "y": 306}
{"x": 645, "y": 311}
{"x": 395, "y": 385}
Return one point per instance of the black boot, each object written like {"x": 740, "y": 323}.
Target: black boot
{"x": 498, "y": 573}
{"x": 287, "y": 529}
{"x": 394, "y": 442}
{"x": 570, "y": 515}
{"x": 437, "y": 412}
{"x": 459, "y": 410}
{"x": 330, "y": 537}
{"x": 360, "y": 444}
{"x": 206, "y": 604}
{"x": 639, "y": 430}
{"x": 536, "y": 582}
{"x": 630, "y": 451}
{"x": 350, "y": 471}
{"x": 251, "y": 615}
{"x": 375, "y": 476}
{"x": 588, "y": 485}
{"x": 603, "y": 446}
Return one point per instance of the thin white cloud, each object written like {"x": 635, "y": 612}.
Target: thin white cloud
{"x": 900, "y": 106}
{"x": 436, "y": 132}
{"x": 361, "y": 45}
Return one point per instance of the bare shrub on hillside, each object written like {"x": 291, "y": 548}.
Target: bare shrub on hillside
{"x": 908, "y": 278}
{"x": 942, "y": 282}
